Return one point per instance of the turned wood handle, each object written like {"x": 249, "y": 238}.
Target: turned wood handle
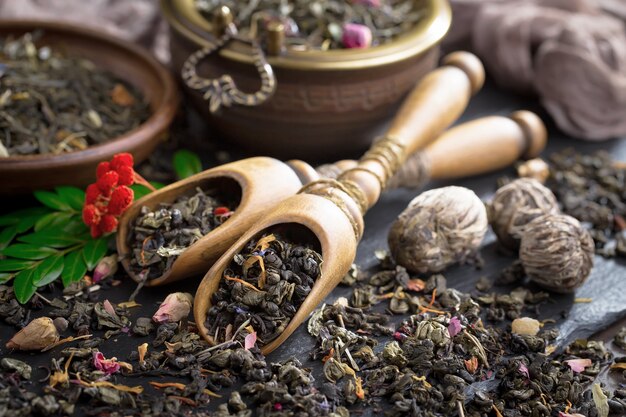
{"x": 437, "y": 101}
{"x": 485, "y": 145}
{"x": 433, "y": 105}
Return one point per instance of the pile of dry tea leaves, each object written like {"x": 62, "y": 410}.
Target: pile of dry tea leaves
{"x": 323, "y": 24}
{"x": 50, "y": 103}
{"x": 592, "y": 188}
{"x": 262, "y": 288}
{"x": 158, "y": 237}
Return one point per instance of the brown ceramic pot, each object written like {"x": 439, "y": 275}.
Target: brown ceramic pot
{"x": 21, "y": 174}
{"x": 327, "y": 105}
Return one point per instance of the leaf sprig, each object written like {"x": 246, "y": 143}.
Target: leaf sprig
{"x": 41, "y": 244}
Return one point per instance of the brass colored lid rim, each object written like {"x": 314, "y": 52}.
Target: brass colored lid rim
{"x": 181, "y": 14}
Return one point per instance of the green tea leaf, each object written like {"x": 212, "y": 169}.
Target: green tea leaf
{"x": 140, "y": 191}
{"x": 47, "y": 271}
{"x": 25, "y": 251}
{"x": 186, "y": 164}
{"x": 93, "y": 251}
{"x": 16, "y": 216}
{"x": 6, "y": 277}
{"x": 53, "y": 237}
{"x": 10, "y": 264}
{"x": 57, "y": 218}
{"x": 6, "y": 236}
{"x": 75, "y": 268}
{"x": 73, "y": 196}
{"x": 52, "y": 200}
{"x": 23, "y": 285}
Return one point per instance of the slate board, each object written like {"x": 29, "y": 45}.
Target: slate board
{"x": 605, "y": 286}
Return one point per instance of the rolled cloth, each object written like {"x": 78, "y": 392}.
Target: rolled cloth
{"x": 570, "y": 53}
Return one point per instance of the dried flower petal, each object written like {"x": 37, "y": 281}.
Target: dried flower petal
{"x": 356, "y": 36}
{"x": 105, "y": 268}
{"x": 578, "y": 365}
{"x": 601, "y": 400}
{"x": 108, "y": 366}
{"x": 454, "y": 327}
{"x": 175, "y": 307}
{"x": 249, "y": 341}
{"x": 38, "y": 334}
{"x": 523, "y": 369}
{"x": 562, "y": 414}
{"x": 471, "y": 364}
{"x": 121, "y": 96}
{"x": 142, "y": 350}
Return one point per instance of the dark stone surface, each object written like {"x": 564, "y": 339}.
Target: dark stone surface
{"x": 605, "y": 286}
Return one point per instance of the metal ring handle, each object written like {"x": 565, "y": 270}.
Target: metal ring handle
{"x": 223, "y": 91}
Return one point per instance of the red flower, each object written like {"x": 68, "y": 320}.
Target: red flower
{"x": 220, "y": 211}
{"x": 108, "y": 223}
{"x": 91, "y": 215}
{"x": 126, "y": 175}
{"x": 121, "y": 199}
{"x": 107, "y": 181}
{"x": 103, "y": 168}
{"x": 121, "y": 160}
{"x": 110, "y": 196}
{"x": 92, "y": 193}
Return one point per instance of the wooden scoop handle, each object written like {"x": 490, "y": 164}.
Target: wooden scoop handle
{"x": 435, "y": 103}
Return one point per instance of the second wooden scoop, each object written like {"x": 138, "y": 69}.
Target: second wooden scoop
{"x": 259, "y": 183}
{"x": 335, "y": 228}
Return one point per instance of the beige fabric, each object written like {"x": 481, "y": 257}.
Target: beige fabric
{"x": 571, "y": 53}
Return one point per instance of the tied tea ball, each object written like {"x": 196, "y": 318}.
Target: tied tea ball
{"x": 517, "y": 204}
{"x": 438, "y": 228}
{"x": 557, "y": 252}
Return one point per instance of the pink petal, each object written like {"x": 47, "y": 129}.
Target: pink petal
{"x": 356, "y": 36}
{"x": 370, "y": 3}
{"x": 249, "y": 341}
{"x": 578, "y": 365}
{"x": 454, "y": 327}
{"x": 524, "y": 370}
{"x": 108, "y": 307}
{"x": 562, "y": 414}
{"x": 108, "y": 366}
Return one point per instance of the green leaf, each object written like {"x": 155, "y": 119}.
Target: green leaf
{"x": 6, "y": 277}
{"x": 47, "y": 271}
{"x": 10, "y": 264}
{"x": 73, "y": 196}
{"x": 52, "y": 200}
{"x": 75, "y": 268}
{"x": 57, "y": 218}
{"x": 6, "y": 236}
{"x": 93, "y": 251}
{"x": 16, "y": 216}
{"x": 25, "y": 251}
{"x": 53, "y": 237}
{"x": 140, "y": 191}
{"x": 23, "y": 285}
{"x": 186, "y": 164}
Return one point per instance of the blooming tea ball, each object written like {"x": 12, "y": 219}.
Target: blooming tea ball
{"x": 517, "y": 204}
{"x": 557, "y": 252}
{"x": 438, "y": 228}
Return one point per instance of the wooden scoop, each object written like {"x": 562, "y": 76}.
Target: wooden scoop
{"x": 259, "y": 183}
{"x": 330, "y": 215}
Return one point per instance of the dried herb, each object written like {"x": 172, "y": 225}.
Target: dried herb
{"x": 52, "y": 103}
{"x": 157, "y": 237}
{"x": 323, "y": 24}
{"x": 262, "y": 287}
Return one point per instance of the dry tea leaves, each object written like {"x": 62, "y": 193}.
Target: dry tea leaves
{"x": 52, "y": 103}
{"x": 322, "y": 24}
{"x": 262, "y": 287}
{"x": 158, "y": 237}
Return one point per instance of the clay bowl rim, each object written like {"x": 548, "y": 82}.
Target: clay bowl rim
{"x": 427, "y": 33}
{"x": 148, "y": 131}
